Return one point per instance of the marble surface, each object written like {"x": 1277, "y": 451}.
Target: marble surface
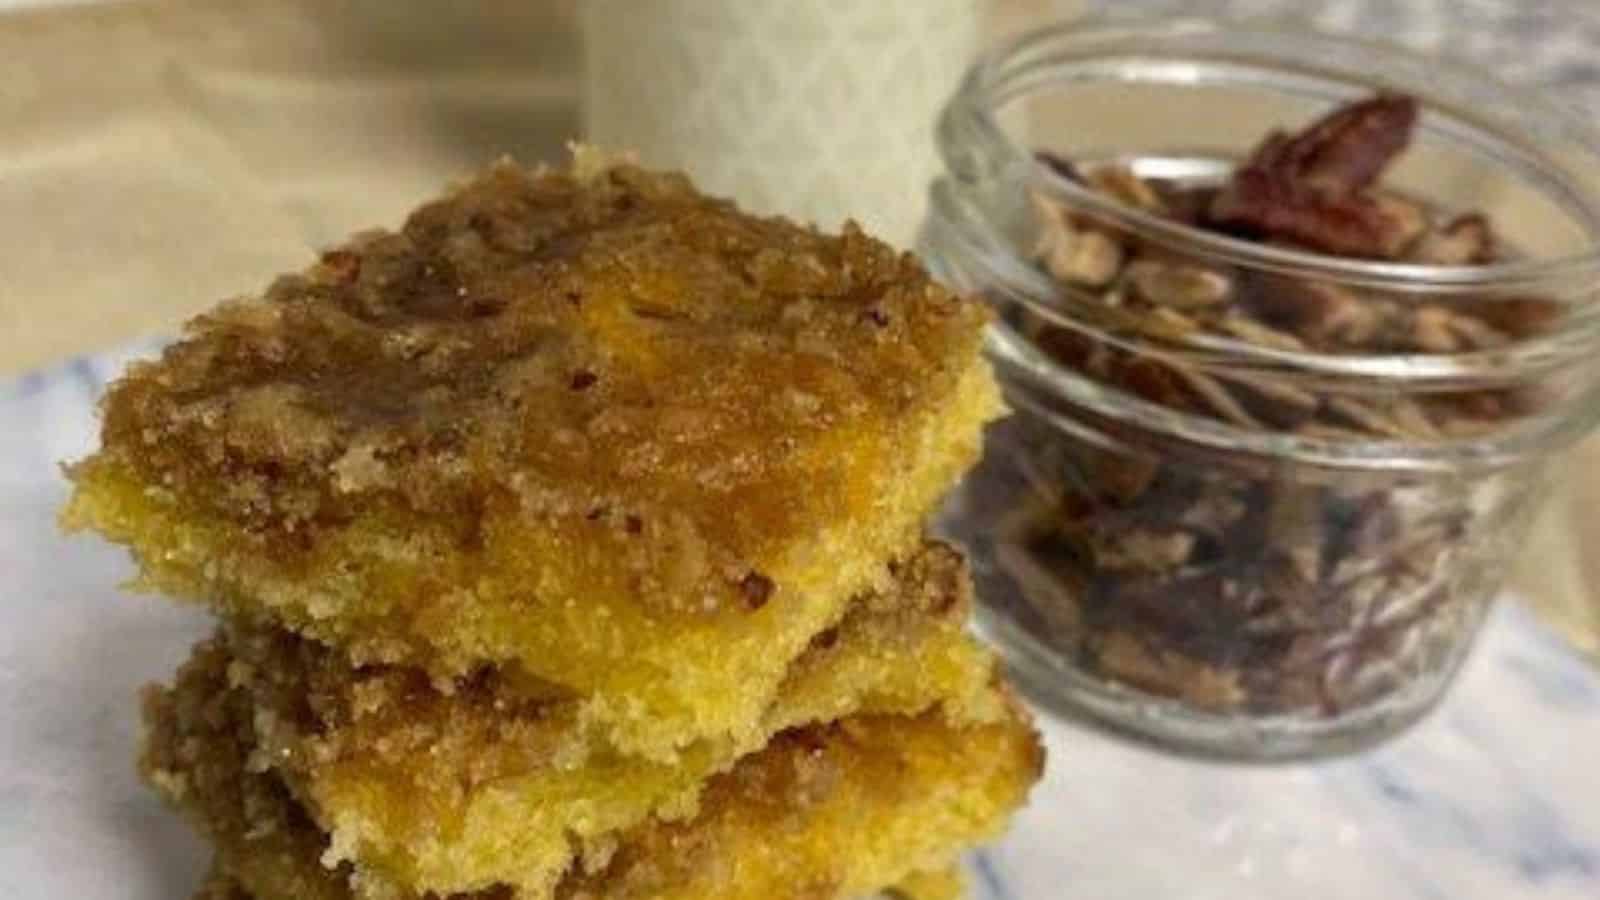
{"x": 1496, "y": 796}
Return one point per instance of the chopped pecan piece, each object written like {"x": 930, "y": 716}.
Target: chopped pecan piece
{"x": 1254, "y": 332}
{"x": 1124, "y": 655}
{"x": 756, "y": 589}
{"x": 1120, "y": 183}
{"x": 1279, "y": 403}
{"x": 1319, "y": 312}
{"x": 1055, "y": 592}
{"x": 1407, "y": 222}
{"x": 1465, "y": 240}
{"x": 1122, "y": 476}
{"x": 1153, "y": 380}
{"x": 1077, "y": 256}
{"x": 1218, "y": 399}
{"x": 1167, "y": 323}
{"x": 1517, "y": 317}
{"x": 1145, "y": 549}
{"x": 1087, "y": 257}
{"x": 1178, "y": 285}
{"x": 1435, "y": 329}
{"x": 1213, "y": 513}
{"x": 1432, "y": 331}
{"x": 1475, "y": 334}
{"x": 1399, "y": 417}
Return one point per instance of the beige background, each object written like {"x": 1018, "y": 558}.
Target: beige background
{"x": 157, "y": 157}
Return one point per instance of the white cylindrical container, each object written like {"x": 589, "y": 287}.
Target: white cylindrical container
{"x": 820, "y": 110}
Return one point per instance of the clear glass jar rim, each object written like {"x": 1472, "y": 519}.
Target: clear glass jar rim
{"x": 977, "y": 97}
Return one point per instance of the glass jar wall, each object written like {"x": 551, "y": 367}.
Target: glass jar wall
{"x": 1264, "y": 473}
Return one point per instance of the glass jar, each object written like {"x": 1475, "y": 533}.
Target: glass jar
{"x": 1247, "y": 533}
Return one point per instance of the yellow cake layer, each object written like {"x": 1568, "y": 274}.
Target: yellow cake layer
{"x": 825, "y": 811}
{"x": 593, "y": 424}
{"x": 482, "y": 785}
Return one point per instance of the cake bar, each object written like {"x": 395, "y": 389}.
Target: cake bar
{"x": 493, "y": 784}
{"x": 837, "y": 810}
{"x": 589, "y": 425}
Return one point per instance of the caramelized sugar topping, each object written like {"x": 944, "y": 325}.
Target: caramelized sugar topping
{"x": 615, "y": 346}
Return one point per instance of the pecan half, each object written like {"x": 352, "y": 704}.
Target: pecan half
{"x": 1311, "y": 188}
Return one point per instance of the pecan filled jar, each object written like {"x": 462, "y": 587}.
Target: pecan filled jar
{"x": 1291, "y": 328}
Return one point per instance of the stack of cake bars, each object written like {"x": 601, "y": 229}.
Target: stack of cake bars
{"x": 568, "y": 542}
